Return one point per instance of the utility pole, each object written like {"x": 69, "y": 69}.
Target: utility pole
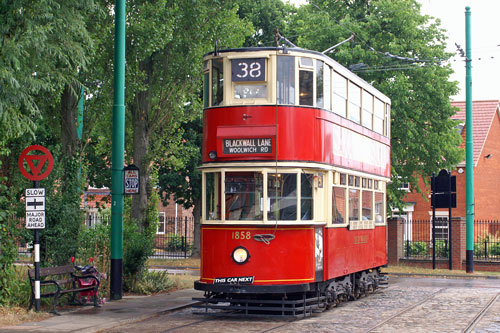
{"x": 118, "y": 147}
{"x": 469, "y": 161}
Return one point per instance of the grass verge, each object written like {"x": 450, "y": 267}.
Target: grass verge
{"x": 429, "y": 271}
{"x": 10, "y": 316}
{"x": 179, "y": 263}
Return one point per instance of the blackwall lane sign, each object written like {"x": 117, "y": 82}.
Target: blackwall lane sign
{"x": 247, "y": 146}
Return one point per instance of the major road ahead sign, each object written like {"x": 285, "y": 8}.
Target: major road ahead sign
{"x": 35, "y": 208}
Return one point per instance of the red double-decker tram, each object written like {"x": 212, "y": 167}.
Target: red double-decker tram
{"x": 296, "y": 157}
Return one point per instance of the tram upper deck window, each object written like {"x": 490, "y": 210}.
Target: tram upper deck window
{"x": 367, "y": 114}
{"x": 206, "y": 83}
{"x": 244, "y": 194}
{"x": 282, "y": 194}
{"x": 217, "y": 81}
{"x": 249, "y": 76}
{"x": 339, "y": 101}
{"x": 378, "y": 116}
{"x": 306, "y": 82}
{"x": 213, "y": 196}
{"x": 320, "y": 102}
{"x": 354, "y": 108}
{"x": 286, "y": 80}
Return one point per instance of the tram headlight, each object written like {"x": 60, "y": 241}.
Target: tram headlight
{"x": 240, "y": 255}
{"x": 212, "y": 155}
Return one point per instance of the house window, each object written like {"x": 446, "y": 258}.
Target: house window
{"x": 441, "y": 227}
{"x": 161, "y": 223}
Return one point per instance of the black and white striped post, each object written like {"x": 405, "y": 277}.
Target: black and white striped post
{"x": 36, "y": 249}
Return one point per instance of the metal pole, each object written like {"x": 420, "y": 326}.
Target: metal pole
{"x": 449, "y": 222}
{"x": 433, "y": 221}
{"x": 36, "y": 250}
{"x": 469, "y": 162}
{"x": 118, "y": 147}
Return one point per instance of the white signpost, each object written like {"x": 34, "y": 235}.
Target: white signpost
{"x": 35, "y": 208}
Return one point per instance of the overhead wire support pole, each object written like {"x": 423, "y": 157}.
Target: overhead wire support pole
{"x": 118, "y": 147}
{"x": 469, "y": 161}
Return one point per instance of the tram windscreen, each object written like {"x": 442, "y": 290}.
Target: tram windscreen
{"x": 243, "y": 193}
{"x": 282, "y": 194}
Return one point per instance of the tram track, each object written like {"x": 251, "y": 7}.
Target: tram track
{"x": 405, "y": 310}
{"x": 480, "y": 314}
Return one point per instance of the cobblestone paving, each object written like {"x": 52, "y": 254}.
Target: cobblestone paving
{"x": 409, "y": 305}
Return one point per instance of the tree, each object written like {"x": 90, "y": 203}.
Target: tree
{"x": 402, "y": 53}
{"x": 166, "y": 42}
{"x": 266, "y": 16}
{"x": 185, "y": 183}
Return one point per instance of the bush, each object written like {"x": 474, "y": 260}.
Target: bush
{"x": 95, "y": 243}
{"x": 442, "y": 248}
{"x": 153, "y": 282}
{"x": 417, "y": 249}
{"x": 175, "y": 242}
{"x": 137, "y": 248}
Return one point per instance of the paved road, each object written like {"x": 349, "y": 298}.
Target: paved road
{"x": 407, "y": 304}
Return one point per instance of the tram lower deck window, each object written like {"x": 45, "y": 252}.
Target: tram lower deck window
{"x": 212, "y": 196}
{"x": 282, "y": 194}
{"x": 243, "y": 195}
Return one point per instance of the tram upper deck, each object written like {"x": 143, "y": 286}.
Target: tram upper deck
{"x": 283, "y": 105}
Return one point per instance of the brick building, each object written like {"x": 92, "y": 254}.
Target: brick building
{"x": 94, "y": 199}
{"x": 486, "y": 143}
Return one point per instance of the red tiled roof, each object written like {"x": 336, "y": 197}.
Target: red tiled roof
{"x": 483, "y": 113}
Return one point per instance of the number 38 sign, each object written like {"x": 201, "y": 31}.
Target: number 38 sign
{"x": 253, "y": 69}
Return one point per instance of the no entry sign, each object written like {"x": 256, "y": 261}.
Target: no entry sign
{"x": 36, "y": 157}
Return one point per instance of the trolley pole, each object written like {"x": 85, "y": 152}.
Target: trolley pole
{"x": 469, "y": 163}
{"x": 118, "y": 147}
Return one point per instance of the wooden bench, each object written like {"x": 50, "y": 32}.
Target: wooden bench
{"x": 64, "y": 280}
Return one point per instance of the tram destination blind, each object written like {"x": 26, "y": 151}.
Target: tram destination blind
{"x": 253, "y": 69}
{"x": 247, "y": 146}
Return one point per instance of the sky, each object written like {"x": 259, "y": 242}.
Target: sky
{"x": 485, "y": 42}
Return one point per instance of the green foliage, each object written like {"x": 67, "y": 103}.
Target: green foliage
{"x": 176, "y": 242}
{"x": 95, "y": 243}
{"x": 442, "y": 248}
{"x": 63, "y": 216}
{"x": 153, "y": 282}
{"x": 417, "y": 249}
{"x": 423, "y": 138}
{"x": 487, "y": 245}
{"x": 266, "y": 16}
{"x": 136, "y": 250}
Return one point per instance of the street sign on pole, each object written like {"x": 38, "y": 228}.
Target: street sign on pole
{"x": 35, "y": 208}
{"x": 131, "y": 179}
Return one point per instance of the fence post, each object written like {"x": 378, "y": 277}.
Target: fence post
{"x": 185, "y": 236}
{"x": 395, "y": 241}
{"x": 458, "y": 245}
